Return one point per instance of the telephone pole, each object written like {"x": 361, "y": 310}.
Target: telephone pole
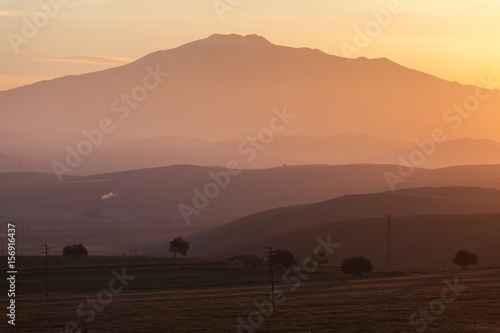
{"x": 389, "y": 222}
{"x": 270, "y": 250}
{"x": 46, "y": 252}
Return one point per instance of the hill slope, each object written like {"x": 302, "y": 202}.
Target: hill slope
{"x": 424, "y": 241}
{"x": 414, "y": 201}
{"x": 157, "y": 193}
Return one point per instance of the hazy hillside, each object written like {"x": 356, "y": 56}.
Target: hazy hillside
{"x": 14, "y": 163}
{"x": 414, "y": 201}
{"x": 425, "y": 241}
{"x": 291, "y": 150}
{"x": 157, "y": 192}
{"x": 22, "y": 179}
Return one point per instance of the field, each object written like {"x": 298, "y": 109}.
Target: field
{"x": 148, "y": 237}
{"x": 199, "y": 295}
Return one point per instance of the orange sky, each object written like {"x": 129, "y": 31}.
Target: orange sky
{"x": 456, "y": 40}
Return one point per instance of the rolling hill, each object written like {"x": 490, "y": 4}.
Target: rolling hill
{"x": 423, "y": 241}
{"x": 290, "y": 225}
{"x": 158, "y": 192}
{"x": 277, "y": 206}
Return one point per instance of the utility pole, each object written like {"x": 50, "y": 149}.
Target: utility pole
{"x": 270, "y": 250}
{"x": 389, "y": 222}
{"x": 46, "y": 251}
{"x": 135, "y": 251}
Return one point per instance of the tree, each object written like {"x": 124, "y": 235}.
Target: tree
{"x": 178, "y": 245}
{"x": 357, "y": 265}
{"x": 464, "y": 259}
{"x": 283, "y": 257}
{"x": 75, "y": 250}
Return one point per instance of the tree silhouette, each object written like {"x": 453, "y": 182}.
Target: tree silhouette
{"x": 357, "y": 265}
{"x": 283, "y": 257}
{"x": 75, "y": 250}
{"x": 464, "y": 259}
{"x": 178, "y": 245}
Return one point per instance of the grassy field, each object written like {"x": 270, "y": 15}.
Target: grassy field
{"x": 148, "y": 237}
{"x": 197, "y": 295}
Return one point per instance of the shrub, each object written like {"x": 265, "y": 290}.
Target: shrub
{"x": 464, "y": 259}
{"x": 357, "y": 265}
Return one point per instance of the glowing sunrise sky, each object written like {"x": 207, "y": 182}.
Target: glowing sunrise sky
{"x": 457, "y": 40}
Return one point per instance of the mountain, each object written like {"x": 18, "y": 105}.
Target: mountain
{"x": 225, "y": 87}
{"x": 280, "y": 221}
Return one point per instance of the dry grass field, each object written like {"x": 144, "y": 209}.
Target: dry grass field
{"x": 189, "y": 295}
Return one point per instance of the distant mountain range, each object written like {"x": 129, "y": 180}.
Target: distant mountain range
{"x": 289, "y": 150}
{"x": 158, "y": 192}
{"x": 223, "y": 89}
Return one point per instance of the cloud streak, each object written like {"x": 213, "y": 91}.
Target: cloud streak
{"x": 87, "y": 59}
{"x": 16, "y": 13}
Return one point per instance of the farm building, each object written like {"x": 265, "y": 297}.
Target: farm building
{"x": 245, "y": 262}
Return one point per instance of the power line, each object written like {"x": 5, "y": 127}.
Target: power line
{"x": 389, "y": 259}
{"x": 46, "y": 251}
{"x": 270, "y": 251}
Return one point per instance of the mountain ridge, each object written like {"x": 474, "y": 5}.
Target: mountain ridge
{"x": 222, "y": 73}
{"x": 156, "y": 193}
